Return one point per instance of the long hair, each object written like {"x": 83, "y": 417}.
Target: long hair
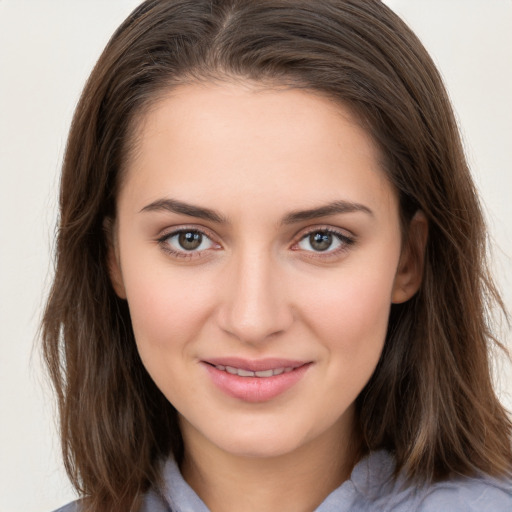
{"x": 431, "y": 400}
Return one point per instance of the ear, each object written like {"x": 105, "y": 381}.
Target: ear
{"x": 410, "y": 267}
{"x": 113, "y": 263}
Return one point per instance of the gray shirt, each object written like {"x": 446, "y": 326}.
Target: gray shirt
{"x": 369, "y": 489}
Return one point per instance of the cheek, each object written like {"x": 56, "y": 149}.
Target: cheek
{"x": 349, "y": 313}
{"x": 351, "y": 323}
{"x": 168, "y": 313}
{"x": 167, "y": 307}
{"x": 351, "y": 298}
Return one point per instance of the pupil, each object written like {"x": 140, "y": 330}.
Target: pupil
{"x": 190, "y": 240}
{"x": 320, "y": 241}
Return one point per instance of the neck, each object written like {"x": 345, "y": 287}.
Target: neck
{"x": 292, "y": 482}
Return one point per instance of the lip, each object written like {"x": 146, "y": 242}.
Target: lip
{"x": 255, "y": 389}
{"x": 255, "y": 365}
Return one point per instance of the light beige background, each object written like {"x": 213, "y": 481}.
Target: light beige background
{"x": 47, "y": 48}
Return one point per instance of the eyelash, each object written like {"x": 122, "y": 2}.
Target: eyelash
{"x": 344, "y": 240}
{"x": 163, "y": 241}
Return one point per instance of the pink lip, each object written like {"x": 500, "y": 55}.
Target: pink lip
{"x": 255, "y": 389}
{"x": 256, "y": 365}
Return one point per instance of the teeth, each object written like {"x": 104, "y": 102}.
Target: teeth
{"x": 265, "y": 373}
{"x": 245, "y": 373}
{"x": 248, "y": 373}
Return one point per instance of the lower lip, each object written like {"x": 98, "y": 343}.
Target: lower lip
{"x": 255, "y": 389}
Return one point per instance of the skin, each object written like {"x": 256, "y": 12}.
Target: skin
{"x": 257, "y": 287}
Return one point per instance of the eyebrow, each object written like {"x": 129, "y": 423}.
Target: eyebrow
{"x": 174, "y": 206}
{"x": 332, "y": 208}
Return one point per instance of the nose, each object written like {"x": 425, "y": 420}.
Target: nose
{"x": 255, "y": 306}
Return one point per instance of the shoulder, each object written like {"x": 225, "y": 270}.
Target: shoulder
{"x": 483, "y": 494}
{"x": 151, "y": 502}
{"x": 379, "y": 491}
{"x": 70, "y": 507}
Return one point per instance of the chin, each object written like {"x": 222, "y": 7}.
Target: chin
{"x": 266, "y": 442}
{"x": 262, "y": 448}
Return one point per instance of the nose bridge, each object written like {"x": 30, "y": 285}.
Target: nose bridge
{"x": 255, "y": 305}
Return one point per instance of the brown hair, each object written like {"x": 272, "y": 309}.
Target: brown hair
{"x": 431, "y": 400}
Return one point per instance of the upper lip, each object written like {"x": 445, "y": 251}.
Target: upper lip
{"x": 255, "y": 365}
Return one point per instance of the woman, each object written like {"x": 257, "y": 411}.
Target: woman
{"x": 271, "y": 290}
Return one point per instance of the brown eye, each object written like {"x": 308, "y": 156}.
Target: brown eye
{"x": 320, "y": 241}
{"x": 324, "y": 240}
{"x": 190, "y": 240}
{"x": 187, "y": 243}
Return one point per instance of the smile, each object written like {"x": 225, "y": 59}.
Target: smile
{"x": 255, "y": 380}
{"x": 248, "y": 373}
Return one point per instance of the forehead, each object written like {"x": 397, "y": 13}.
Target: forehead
{"x": 207, "y": 141}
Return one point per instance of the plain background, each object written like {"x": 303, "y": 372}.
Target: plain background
{"x": 47, "y": 49}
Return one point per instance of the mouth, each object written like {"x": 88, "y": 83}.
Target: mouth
{"x": 267, "y": 367}
{"x": 248, "y": 373}
{"x": 255, "y": 380}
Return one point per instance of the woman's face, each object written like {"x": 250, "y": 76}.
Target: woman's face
{"x": 258, "y": 245}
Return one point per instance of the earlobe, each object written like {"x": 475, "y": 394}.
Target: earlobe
{"x": 410, "y": 268}
{"x": 113, "y": 264}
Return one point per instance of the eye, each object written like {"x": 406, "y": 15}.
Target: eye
{"x": 186, "y": 241}
{"x": 324, "y": 241}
